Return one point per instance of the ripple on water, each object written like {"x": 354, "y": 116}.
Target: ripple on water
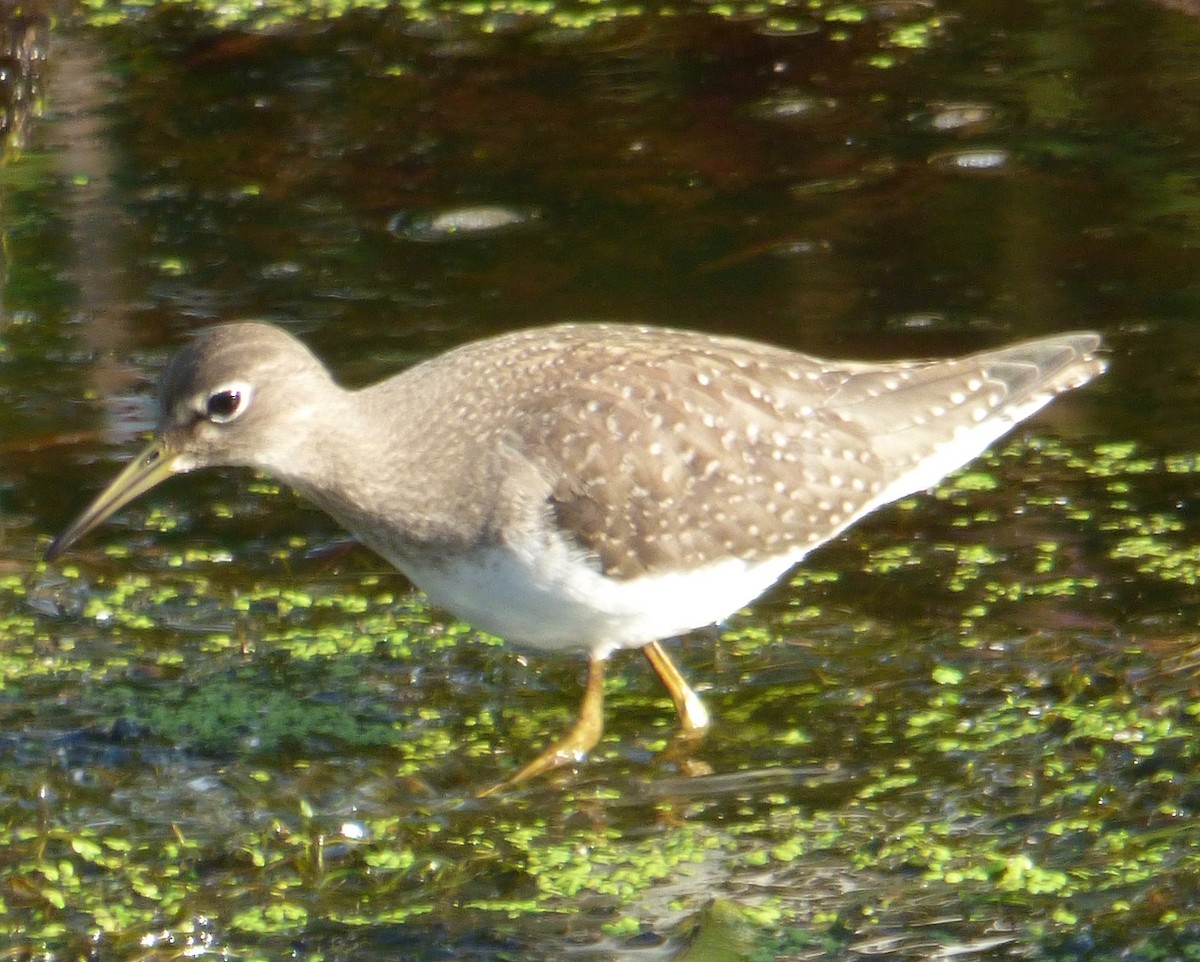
{"x": 459, "y": 222}
{"x": 977, "y": 160}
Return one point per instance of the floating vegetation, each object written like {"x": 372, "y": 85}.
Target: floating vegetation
{"x": 908, "y": 26}
{"x": 312, "y": 743}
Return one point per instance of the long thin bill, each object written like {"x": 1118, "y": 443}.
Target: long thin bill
{"x": 155, "y": 463}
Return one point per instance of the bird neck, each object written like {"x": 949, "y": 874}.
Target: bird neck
{"x": 384, "y": 466}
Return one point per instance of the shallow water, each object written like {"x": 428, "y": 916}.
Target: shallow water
{"x": 968, "y": 726}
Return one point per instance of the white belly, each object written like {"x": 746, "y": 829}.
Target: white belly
{"x": 554, "y": 601}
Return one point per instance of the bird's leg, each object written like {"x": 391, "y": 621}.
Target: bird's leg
{"x": 580, "y": 738}
{"x": 693, "y": 716}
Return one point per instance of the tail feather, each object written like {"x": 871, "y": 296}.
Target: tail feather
{"x": 968, "y": 403}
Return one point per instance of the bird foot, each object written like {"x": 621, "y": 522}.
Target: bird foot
{"x": 574, "y": 746}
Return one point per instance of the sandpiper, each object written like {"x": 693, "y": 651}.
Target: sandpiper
{"x": 591, "y": 487}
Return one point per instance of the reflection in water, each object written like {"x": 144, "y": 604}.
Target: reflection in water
{"x": 24, "y": 43}
{"x": 95, "y": 214}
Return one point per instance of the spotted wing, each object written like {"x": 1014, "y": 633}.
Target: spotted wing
{"x": 665, "y": 450}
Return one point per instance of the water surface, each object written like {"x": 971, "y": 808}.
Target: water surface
{"x": 967, "y": 727}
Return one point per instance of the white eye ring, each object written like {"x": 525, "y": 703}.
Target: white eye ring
{"x": 226, "y": 403}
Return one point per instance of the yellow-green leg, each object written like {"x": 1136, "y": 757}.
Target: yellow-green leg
{"x": 693, "y": 716}
{"x": 580, "y": 739}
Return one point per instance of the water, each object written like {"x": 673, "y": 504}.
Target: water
{"x": 968, "y": 726}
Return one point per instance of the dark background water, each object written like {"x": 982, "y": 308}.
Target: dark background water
{"x": 968, "y": 726}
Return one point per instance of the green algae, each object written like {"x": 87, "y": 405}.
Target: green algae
{"x": 1028, "y": 779}
{"x": 913, "y": 29}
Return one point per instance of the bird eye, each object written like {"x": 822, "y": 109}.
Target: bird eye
{"x": 224, "y": 405}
